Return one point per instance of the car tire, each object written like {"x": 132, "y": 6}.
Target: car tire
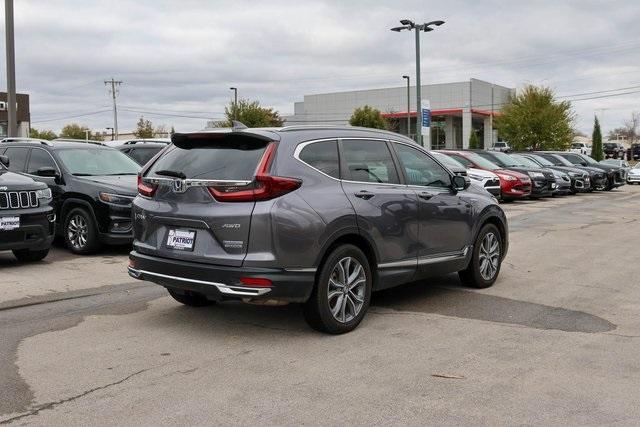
{"x": 477, "y": 274}
{"x": 80, "y": 232}
{"x": 339, "y": 300}
{"x": 27, "y": 255}
{"x": 192, "y": 299}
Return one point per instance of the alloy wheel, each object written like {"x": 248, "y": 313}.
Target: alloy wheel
{"x": 78, "y": 231}
{"x": 346, "y": 290}
{"x": 489, "y": 256}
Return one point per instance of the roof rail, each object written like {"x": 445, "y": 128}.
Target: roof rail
{"x": 29, "y": 140}
{"x": 143, "y": 141}
{"x": 85, "y": 141}
{"x": 338, "y": 127}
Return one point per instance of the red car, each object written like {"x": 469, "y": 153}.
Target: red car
{"x": 513, "y": 185}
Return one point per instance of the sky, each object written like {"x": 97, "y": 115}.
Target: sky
{"x": 177, "y": 59}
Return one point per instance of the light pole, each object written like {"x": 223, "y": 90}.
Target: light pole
{"x": 408, "y": 105}
{"x": 426, "y": 27}
{"x": 12, "y": 125}
{"x": 235, "y": 102}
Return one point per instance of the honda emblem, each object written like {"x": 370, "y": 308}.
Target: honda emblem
{"x": 179, "y": 186}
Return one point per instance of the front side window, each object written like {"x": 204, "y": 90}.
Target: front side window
{"x": 97, "y": 161}
{"x": 420, "y": 169}
{"x": 17, "y": 158}
{"x": 322, "y": 156}
{"x": 39, "y": 159}
{"x": 143, "y": 155}
{"x": 369, "y": 161}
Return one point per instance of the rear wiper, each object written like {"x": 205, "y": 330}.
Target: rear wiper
{"x": 82, "y": 174}
{"x": 121, "y": 173}
{"x": 174, "y": 174}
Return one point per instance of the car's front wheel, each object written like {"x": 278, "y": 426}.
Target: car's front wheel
{"x": 81, "y": 232}
{"x": 486, "y": 260}
{"x": 342, "y": 292}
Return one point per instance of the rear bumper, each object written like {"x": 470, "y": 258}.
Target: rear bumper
{"x": 221, "y": 283}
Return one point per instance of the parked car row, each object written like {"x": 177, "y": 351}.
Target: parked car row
{"x": 321, "y": 216}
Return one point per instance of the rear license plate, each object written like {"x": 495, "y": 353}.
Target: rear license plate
{"x": 181, "y": 240}
{"x": 9, "y": 222}
{"x": 553, "y": 185}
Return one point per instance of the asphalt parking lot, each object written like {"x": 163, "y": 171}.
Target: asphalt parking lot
{"x": 554, "y": 341}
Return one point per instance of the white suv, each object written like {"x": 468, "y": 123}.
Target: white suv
{"x": 501, "y": 146}
{"x": 581, "y": 148}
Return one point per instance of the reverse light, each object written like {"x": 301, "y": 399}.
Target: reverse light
{"x": 146, "y": 189}
{"x": 259, "y": 282}
{"x": 264, "y": 185}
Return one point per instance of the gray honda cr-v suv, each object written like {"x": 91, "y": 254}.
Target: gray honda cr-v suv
{"x": 315, "y": 215}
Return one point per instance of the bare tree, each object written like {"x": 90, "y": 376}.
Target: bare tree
{"x": 631, "y": 127}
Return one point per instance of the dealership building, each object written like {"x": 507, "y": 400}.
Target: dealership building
{"x": 457, "y": 109}
{"x": 23, "y": 115}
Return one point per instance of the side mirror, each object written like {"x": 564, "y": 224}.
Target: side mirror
{"x": 584, "y": 163}
{"x": 4, "y": 160}
{"x": 47, "y": 172}
{"x": 460, "y": 183}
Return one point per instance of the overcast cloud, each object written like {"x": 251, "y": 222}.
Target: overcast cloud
{"x": 181, "y": 57}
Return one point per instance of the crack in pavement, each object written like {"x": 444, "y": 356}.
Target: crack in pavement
{"x": 52, "y": 405}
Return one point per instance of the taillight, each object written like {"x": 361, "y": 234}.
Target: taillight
{"x": 145, "y": 189}
{"x": 263, "y": 187}
{"x": 256, "y": 281}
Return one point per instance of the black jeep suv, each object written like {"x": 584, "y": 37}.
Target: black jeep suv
{"x": 93, "y": 187}
{"x": 26, "y": 216}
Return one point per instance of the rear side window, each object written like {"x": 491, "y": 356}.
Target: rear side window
{"x": 322, "y": 156}
{"x": 17, "y": 158}
{"x": 369, "y": 161}
{"x": 206, "y": 159}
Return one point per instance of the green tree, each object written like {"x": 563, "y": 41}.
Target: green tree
{"x": 596, "y": 141}
{"x": 251, "y": 114}
{"x": 533, "y": 119}
{"x": 144, "y": 128}
{"x": 76, "y": 131}
{"x": 42, "y": 134}
{"x": 474, "y": 141}
{"x": 368, "y": 117}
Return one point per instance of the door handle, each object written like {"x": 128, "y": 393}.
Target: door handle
{"x": 364, "y": 194}
{"x": 424, "y": 195}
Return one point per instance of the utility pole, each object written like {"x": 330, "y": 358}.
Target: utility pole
{"x": 235, "y": 102}
{"x": 12, "y": 125}
{"x": 114, "y": 93}
{"x": 408, "y": 105}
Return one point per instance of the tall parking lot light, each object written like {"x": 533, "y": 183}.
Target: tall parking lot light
{"x": 408, "y": 105}
{"x": 426, "y": 27}
{"x": 12, "y": 125}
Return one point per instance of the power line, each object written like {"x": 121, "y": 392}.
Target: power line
{"x": 70, "y": 117}
{"x": 152, "y": 113}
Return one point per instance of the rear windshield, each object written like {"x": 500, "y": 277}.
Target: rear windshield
{"x": 233, "y": 160}
{"x": 610, "y": 145}
{"x": 576, "y": 145}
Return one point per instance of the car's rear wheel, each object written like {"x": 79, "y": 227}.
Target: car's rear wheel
{"x": 342, "y": 292}
{"x": 485, "y": 263}
{"x": 81, "y": 232}
{"x": 27, "y": 255}
{"x": 192, "y": 299}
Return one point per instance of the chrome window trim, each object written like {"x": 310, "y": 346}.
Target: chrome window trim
{"x": 301, "y": 146}
{"x": 197, "y": 182}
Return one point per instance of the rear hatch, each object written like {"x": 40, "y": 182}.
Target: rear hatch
{"x": 198, "y": 197}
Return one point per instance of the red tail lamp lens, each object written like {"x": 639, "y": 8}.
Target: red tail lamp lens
{"x": 256, "y": 281}
{"x": 145, "y": 189}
